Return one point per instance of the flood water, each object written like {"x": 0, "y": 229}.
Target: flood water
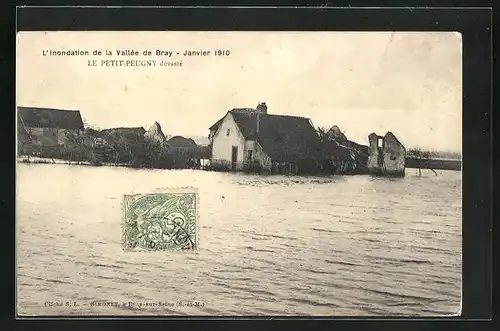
{"x": 269, "y": 245}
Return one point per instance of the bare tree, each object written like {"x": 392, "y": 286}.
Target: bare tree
{"x": 78, "y": 150}
{"x": 87, "y": 125}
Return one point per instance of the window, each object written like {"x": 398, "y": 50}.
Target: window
{"x": 228, "y": 131}
{"x": 250, "y": 155}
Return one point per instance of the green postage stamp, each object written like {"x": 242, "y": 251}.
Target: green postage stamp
{"x": 161, "y": 221}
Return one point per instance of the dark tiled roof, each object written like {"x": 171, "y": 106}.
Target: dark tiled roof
{"x": 243, "y": 110}
{"x": 50, "y": 118}
{"x": 179, "y": 141}
{"x": 215, "y": 126}
{"x": 287, "y": 138}
{"x": 283, "y": 138}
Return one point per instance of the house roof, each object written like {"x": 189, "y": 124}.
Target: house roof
{"x": 137, "y": 130}
{"x": 351, "y": 144}
{"x": 283, "y": 138}
{"x": 215, "y": 126}
{"x": 50, "y": 118}
{"x": 179, "y": 141}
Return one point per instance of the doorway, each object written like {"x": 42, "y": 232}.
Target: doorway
{"x": 234, "y": 157}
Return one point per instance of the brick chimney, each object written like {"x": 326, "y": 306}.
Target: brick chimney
{"x": 262, "y": 108}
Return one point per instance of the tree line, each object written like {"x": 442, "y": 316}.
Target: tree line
{"x": 118, "y": 148}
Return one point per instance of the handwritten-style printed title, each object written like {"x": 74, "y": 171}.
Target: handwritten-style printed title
{"x": 137, "y": 58}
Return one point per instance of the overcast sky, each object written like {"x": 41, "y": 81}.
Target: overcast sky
{"x": 408, "y": 83}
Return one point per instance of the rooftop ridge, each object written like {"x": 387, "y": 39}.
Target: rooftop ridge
{"x": 267, "y": 114}
{"x": 294, "y": 116}
{"x": 52, "y": 109}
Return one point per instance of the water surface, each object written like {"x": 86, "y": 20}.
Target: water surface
{"x": 269, "y": 245}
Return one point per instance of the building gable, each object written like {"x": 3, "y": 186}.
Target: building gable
{"x": 390, "y": 136}
{"x": 226, "y": 140}
{"x": 230, "y": 121}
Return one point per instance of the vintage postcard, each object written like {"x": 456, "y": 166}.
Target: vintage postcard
{"x": 239, "y": 173}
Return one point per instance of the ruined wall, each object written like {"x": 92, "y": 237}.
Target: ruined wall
{"x": 373, "y": 154}
{"x": 394, "y": 155}
{"x": 388, "y": 159}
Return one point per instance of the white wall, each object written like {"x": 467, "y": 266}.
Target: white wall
{"x": 223, "y": 144}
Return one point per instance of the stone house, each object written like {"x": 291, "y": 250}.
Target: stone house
{"x": 40, "y": 128}
{"x": 186, "y": 152}
{"x": 179, "y": 141}
{"x": 184, "y": 147}
{"x": 386, "y": 156}
{"x": 246, "y": 138}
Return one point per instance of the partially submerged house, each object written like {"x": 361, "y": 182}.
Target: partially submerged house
{"x": 181, "y": 142}
{"x": 40, "y": 128}
{"x": 246, "y": 138}
{"x": 386, "y": 155}
{"x": 344, "y": 156}
{"x": 187, "y": 153}
{"x": 184, "y": 147}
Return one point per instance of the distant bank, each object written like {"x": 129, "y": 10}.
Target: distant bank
{"x": 433, "y": 163}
